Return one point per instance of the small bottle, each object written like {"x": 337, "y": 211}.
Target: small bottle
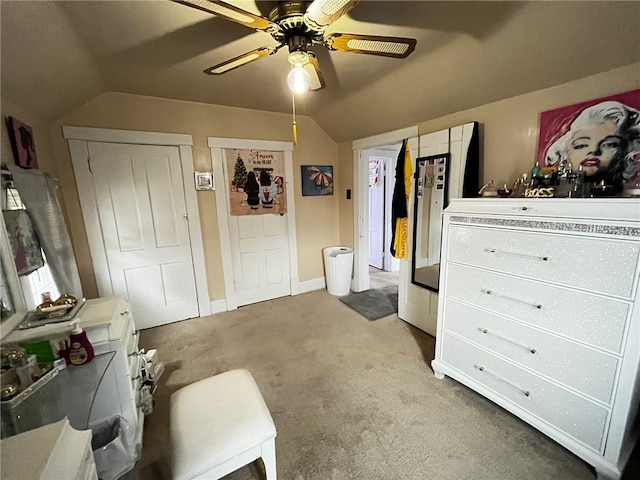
{"x": 578, "y": 184}
{"x": 535, "y": 176}
{"x": 489, "y": 190}
{"x": 80, "y": 348}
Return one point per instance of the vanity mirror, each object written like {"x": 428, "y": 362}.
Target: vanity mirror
{"x": 33, "y": 193}
{"x": 447, "y": 168}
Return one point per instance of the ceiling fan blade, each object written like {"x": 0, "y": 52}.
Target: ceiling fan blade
{"x": 313, "y": 69}
{"x": 232, "y": 13}
{"x": 322, "y": 13}
{"x": 241, "y": 60}
{"x": 396, "y": 47}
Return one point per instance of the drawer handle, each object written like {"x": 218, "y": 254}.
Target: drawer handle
{"x": 508, "y": 340}
{"x": 502, "y": 380}
{"x": 522, "y": 255}
{"x": 491, "y": 292}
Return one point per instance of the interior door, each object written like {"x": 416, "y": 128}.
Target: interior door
{"x": 376, "y": 211}
{"x": 142, "y": 214}
{"x": 259, "y": 249}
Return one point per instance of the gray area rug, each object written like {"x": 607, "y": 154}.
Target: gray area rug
{"x": 374, "y": 303}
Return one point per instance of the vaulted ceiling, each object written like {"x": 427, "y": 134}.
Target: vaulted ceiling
{"x": 58, "y": 55}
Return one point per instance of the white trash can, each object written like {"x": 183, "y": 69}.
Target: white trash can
{"x": 338, "y": 267}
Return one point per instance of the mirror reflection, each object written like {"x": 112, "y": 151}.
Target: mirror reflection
{"x": 431, "y": 194}
{"x": 39, "y": 252}
{"x": 451, "y": 170}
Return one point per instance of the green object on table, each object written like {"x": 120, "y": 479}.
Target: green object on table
{"x": 42, "y": 350}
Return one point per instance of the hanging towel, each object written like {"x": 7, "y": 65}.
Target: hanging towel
{"x": 399, "y": 213}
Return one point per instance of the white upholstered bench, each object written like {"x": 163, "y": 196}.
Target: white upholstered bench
{"x": 218, "y": 425}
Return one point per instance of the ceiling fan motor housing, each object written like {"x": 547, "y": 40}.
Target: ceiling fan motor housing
{"x": 294, "y": 32}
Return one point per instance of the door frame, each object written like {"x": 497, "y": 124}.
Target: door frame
{"x": 361, "y": 280}
{"x": 77, "y": 138}
{"x": 217, "y": 144}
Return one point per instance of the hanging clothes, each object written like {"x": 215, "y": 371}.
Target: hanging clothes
{"x": 399, "y": 212}
{"x": 24, "y": 241}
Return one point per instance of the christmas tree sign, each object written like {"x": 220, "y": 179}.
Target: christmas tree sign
{"x": 257, "y": 185}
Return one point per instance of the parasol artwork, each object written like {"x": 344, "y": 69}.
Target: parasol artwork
{"x": 317, "y": 180}
{"x": 320, "y": 178}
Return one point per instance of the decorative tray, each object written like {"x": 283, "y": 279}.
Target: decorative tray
{"x": 35, "y": 319}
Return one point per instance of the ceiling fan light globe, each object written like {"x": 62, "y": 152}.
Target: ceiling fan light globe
{"x": 298, "y": 80}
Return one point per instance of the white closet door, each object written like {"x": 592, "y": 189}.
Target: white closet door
{"x": 141, "y": 207}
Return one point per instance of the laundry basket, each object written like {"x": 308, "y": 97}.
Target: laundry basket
{"x": 338, "y": 267}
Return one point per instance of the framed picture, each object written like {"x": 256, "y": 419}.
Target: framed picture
{"x": 22, "y": 143}
{"x": 317, "y": 180}
{"x": 204, "y": 181}
{"x": 600, "y": 136}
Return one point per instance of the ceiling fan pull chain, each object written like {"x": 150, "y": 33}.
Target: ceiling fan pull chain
{"x": 295, "y": 127}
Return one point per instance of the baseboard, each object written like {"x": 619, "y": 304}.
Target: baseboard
{"x": 311, "y": 285}
{"x": 219, "y": 306}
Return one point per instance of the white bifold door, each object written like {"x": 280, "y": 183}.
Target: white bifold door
{"x": 140, "y": 201}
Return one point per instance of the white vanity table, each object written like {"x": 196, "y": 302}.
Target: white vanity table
{"x": 109, "y": 385}
{"x": 539, "y": 312}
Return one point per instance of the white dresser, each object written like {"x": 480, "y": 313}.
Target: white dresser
{"x": 538, "y": 311}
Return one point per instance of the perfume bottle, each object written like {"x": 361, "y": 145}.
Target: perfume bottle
{"x": 578, "y": 184}
{"x": 489, "y": 190}
{"x": 535, "y": 176}
{"x": 520, "y": 186}
{"x": 566, "y": 181}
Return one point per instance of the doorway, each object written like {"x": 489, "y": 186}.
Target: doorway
{"x": 381, "y": 177}
{"x": 389, "y": 143}
{"x": 383, "y": 266}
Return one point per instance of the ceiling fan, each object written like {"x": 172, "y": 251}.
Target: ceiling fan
{"x": 300, "y": 25}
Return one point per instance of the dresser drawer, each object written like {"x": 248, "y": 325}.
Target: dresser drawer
{"x": 589, "y": 371}
{"x": 575, "y": 261}
{"x": 570, "y": 413}
{"x": 597, "y": 321}
{"x": 105, "y": 319}
{"x": 134, "y": 365}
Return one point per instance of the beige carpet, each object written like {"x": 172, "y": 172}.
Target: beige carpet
{"x": 351, "y": 399}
